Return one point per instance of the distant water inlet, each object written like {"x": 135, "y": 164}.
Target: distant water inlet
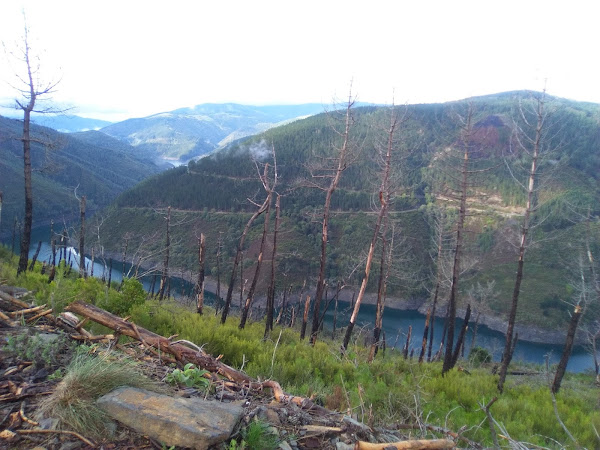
{"x": 396, "y": 322}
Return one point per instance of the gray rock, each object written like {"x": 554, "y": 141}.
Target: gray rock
{"x": 343, "y": 446}
{"x": 284, "y": 446}
{"x": 185, "y": 422}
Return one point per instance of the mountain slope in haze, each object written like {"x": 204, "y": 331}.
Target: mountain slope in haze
{"x": 211, "y": 195}
{"x": 100, "y": 170}
{"x": 188, "y": 132}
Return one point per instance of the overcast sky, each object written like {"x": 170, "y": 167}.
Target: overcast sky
{"x": 119, "y": 59}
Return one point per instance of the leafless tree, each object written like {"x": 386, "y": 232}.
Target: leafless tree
{"x": 271, "y": 291}
{"x": 327, "y": 177}
{"x": 31, "y": 90}
{"x": 385, "y": 197}
{"x": 534, "y": 137}
{"x": 269, "y": 187}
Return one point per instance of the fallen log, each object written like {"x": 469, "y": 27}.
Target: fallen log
{"x": 185, "y": 354}
{"x": 403, "y": 445}
{"x": 26, "y": 311}
{"x": 9, "y": 303}
{"x": 181, "y": 352}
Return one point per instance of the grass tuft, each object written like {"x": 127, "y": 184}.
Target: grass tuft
{"x": 73, "y": 402}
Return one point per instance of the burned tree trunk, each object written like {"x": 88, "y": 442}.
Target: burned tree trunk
{"x": 200, "y": 283}
{"x": 334, "y": 175}
{"x": 271, "y": 292}
{"x": 250, "y": 297}
{"x": 35, "y": 256}
{"x": 407, "y": 345}
{"x": 425, "y": 332}
{"x": 305, "y": 317}
{"x": 461, "y": 336}
{"x": 82, "y": 271}
{"x": 562, "y": 365}
{"x": 264, "y": 178}
{"x": 385, "y": 195}
{"x": 165, "y": 272}
{"x": 384, "y": 267}
{"x": 529, "y": 208}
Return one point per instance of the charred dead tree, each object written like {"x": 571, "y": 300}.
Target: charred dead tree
{"x": 269, "y": 189}
{"x": 384, "y": 273}
{"x": 461, "y": 337}
{"x": 425, "y": 333}
{"x": 218, "y": 289}
{"x": 82, "y": 271}
{"x": 331, "y": 172}
{"x": 200, "y": 282}
{"x": 30, "y": 92}
{"x": 127, "y": 236}
{"x": 385, "y": 197}
{"x": 305, "y": 317}
{"x": 35, "y": 256}
{"x": 533, "y": 139}
{"x": 271, "y": 290}
{"x": 264, "y": 178}
{"x": 165, "y": 270}
{"x": 466, "y": 147}
{"x": 562, "y": 364}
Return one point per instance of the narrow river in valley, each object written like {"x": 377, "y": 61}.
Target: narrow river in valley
{"x": 395, "y": 323}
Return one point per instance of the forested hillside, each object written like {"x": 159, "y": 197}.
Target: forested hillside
{"x": 210, "y": 195}
{"x": 62, "y": 163}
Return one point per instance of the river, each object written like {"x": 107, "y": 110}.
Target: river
{"x": 395, "y": 324}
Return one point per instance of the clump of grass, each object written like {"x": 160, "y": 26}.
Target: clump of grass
{"x": 87, "y": 378}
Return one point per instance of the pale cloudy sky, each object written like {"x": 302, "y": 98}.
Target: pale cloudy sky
{"x": 129, "y": 58}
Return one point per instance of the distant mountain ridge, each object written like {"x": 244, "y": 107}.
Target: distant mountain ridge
{"x": 185, "y": 133}
{"x": 98, "y": 166}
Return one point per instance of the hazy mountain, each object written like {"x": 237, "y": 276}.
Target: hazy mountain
{"x": 97, "y": 168}
{"x": 210, "y": 196}
{"x": 188, "y": 132}
{"x": 67, "y": 123}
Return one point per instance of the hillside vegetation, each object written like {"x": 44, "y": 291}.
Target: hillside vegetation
{"x": 393, "y": 392}
{"x": 62, "y": 163}
{"x": 210, "y": 195}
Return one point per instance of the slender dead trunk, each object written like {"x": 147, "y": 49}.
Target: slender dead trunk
{"x": 462, "y": 213}
{"x": 35, "y": 256}
{"x": 250, "y": 297}
{"x": 165, "y": 272}
{"x": 384, "y": 267}
{"x": 82, "y": 271}
{"x": 236, "y": 261}
{"x": 384, "y": 200}
{"x": 475, "y": 328}
{"x": 407, "y": 344}
{"x": 461, "y": 336}
{"x": 218, "y": 290}
{"x": 201, "y": 264}
{"x": 28, "y": 219}
{"x": 425, "y": 333}
{"x": 562, "y": 365}
{"x": 512, "y": 315}
{"x": 341, "y": 165}
{"x": 109, "y": 272}
{"x": 271, "y": 292}
{"x": 124, "y": 259}
{"x": 305, "y": 317}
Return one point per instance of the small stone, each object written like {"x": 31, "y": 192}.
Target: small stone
{"x": 284, "y": 446}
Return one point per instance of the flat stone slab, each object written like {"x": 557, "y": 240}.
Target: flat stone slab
{"x": 184, "y": 422}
